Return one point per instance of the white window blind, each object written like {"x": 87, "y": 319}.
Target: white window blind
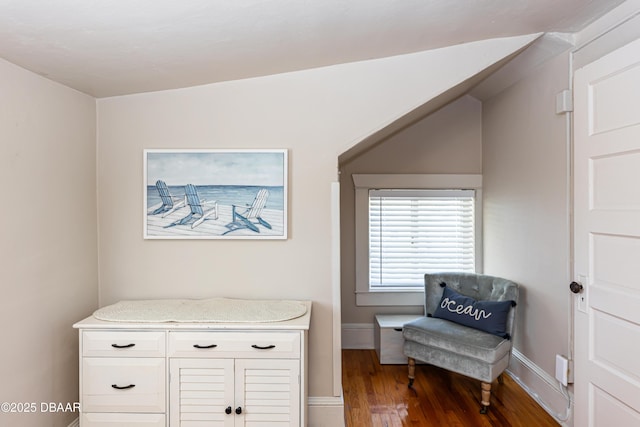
{"x": 413, "y": 232}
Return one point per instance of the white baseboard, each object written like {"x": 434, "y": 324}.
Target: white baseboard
{"x": 75, "y": 423}
{"x": 542, "y": 387}
{"x": 358, "y": 336}
{"x": 326, "y": 411}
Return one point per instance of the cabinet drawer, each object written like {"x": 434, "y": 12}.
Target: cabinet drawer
{"x": 235, "y": 344}
{"x": 123, "y": 344}
{"x": 113, "y": 384}
{"x": 119, "y": 420}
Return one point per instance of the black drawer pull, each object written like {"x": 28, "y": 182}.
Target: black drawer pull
{"x": 397, "y": 329}
{"x": 117, "y": 387}
{"x": 266, "y": 347}
{"x": 205, "y": 346}
{"x": 122, "y": 346}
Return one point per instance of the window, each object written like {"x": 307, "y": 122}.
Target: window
{"x": 413, "y": 232}
{"x": 409, "y": 225}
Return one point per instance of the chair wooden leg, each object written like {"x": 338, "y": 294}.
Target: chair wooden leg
{"x": 486, "y": 397}
{"x": 412, "y": 371}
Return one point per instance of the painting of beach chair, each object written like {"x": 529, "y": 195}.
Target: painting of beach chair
{"x": 198, "y": 211}
{"x": 250, "y": 217}
{"x": 169, "y": 203}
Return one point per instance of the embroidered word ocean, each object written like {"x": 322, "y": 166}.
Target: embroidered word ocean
{"x": 470, "y": 310}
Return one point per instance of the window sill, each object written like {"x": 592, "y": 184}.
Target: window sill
{"x": 395, "y": 298}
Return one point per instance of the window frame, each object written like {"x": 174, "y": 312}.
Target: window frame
{"x": 363, "y": 183}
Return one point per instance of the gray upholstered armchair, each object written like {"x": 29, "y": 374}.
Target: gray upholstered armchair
{"x": 467, "y": 328}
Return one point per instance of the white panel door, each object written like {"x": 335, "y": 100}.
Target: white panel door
{"x": 268, "y": 393}
{"x": 607, "y": 240}
{"x": 201, "y": 393}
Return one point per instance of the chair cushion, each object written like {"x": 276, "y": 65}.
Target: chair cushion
{"x": 488, "y": 316}
{"x": 455, "y": 338}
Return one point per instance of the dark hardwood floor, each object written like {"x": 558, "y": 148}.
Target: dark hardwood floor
{"x": 377, "y": 396}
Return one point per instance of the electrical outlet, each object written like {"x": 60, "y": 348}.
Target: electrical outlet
{"x": 562, "y": 369}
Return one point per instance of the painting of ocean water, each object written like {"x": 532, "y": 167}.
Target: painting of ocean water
{"x": 215, "y": 194}
{"x": 225, "y": 194}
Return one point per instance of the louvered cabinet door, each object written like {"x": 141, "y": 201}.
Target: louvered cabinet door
{"x": 201, "y": 393}
{"x": 268, "y": 392}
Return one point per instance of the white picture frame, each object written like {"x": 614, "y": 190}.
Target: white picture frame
{"x": 215, "y": 194}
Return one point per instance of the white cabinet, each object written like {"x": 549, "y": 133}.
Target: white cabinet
{"x": 234, "y": 392}
{"x": 118, "y": 384}
{"x": 264, "y": 345}
{"x": 193, "y": 374}
{"x": 103, "y": 419}
{"x": 122, "y": 378}
{"x": 268, "y": 391}
{"x": 202, "y": 392}
{"x": 233, "y": 379}
{"x": 122, "y": 343}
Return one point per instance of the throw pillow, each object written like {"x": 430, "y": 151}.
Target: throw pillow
{"x": 488, "y": 316}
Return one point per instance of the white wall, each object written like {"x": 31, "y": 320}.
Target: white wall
{"x": 609, "y": 32}
{"x": 48, "y": 249}
{"x": 519, "y": 144}
{"x": 527, "y": 199}
{"x": 316, "y": 115}
{"x": 246, "y": 114}
{"x": 448, "y": 141}
{"x": 526, "y": 215}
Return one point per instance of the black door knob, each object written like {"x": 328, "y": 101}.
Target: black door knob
{"x": 239, "y": 410}
{"x": 228, "y": 410}
{"x": 575, "y": 287}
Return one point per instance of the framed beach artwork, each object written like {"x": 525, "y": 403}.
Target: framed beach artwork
{"x": 215, "y": 194}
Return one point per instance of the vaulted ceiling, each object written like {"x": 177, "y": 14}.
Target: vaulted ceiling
{"x": 106, "y": 47}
